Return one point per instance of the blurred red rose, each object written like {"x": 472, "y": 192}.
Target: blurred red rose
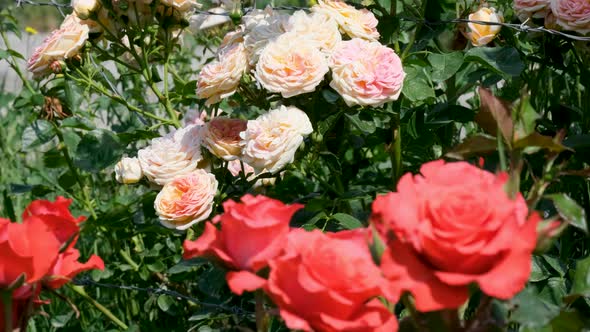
{"x": 67, "y": 266}
{"x": 328, "y": 282}
{"x": 29, "y": 248}
{"x": 56, "y": 215}
{"x": 451, "y": 226}
{"x": 252, "y": 232}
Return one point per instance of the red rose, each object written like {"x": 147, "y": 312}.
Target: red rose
{"x": 252, "y": 232}
{"x": 57, "y": 215}
{"x": 29, "y": 248}
{"x": 451, "y": 226}
{"x": 327, "y": 282}
{"x": 67, "y": 266}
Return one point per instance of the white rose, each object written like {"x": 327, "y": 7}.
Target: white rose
{"x": 128, "y": 171}
{"x": 256, "y": 17}
{"x": 319, "y": 28}
{"x": 83, "y": 8}
{"x": 269, "y": 143}
{"x": 63, "y": 43}
{"x": 171, "y": 156}
{"x": 221, "y": 77}
{"x": 259, "y": 35}
{"x": 186, "y": 200}
{"x": 291, "y": 65}
{"x": 355, "y": 23}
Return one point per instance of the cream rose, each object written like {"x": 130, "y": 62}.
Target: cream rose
{"x": 258, "y": 33}
{"x": 572, "y": 15}
{"x": 366, "y": 73}
{"x": 481, "y": 34}
{"x": 221, "y": 136}
{"x": 128, "y": 171}
{"x": 171, "y": 156}
{"x": 186, "y": 200}
{"x": 525, "y": 9}
{"x": 319, "y": 28}
{"x": 221, "y": 77}
{"x": 269, "y": 143}
{"x": 355, "y": 23}
{"x": 83, "y": 8}
{"x": 63, "y": 43}
{"x": 291, "y": 65}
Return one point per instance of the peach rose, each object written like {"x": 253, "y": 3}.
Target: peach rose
{"x": 221, "y": 77}
{"x": 63, "y": 43}
{"x": 319, "y": 28}
{"x": 83, "y": 8}
{"x": 186, "y": 200}
{"x": 291, "y": 65}
{"x": 269, "y": 143}
{"x": 171, "y": 156}
{"x": 481, "y": 34}
{"x": 572, "y": 15}
{"x": 128, "y": 171}
{"x": 366, "y": 73}
{"x": 526, "y": 9}
{"x": 355, "y": 23}
{"x": 221, "y": 136}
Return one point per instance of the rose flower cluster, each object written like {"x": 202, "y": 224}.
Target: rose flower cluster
{"x": 39, "y": 254}
{"x": 177, "y": 164}
{"x": 572, "y": 15}
{"x": 448, "y": 228}
{"x": 291, "y": 54}
{"x": 111, "y": 20}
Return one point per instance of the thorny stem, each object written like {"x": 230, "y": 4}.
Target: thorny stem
{"x": 80, "y": 290}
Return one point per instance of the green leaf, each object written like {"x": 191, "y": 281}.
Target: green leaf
{"x": 445, "y": 65}
{"x": 416, "y": 85}
{"x": 570, "y": 211}
{"x": 347, "y": 221}
{"x": 38, "y": 133}
{"x": 78, "y": 122}
{"x": 567, "y": 321}
{"x": 8, "y": 206}
{"x": 330, "y": 96}
{"x": 536, "y": 140}
{"x": 367, "y": 127}
{"x": 73, "y": 96}
{"x": 530, "y": 311}
{"x": 494, "y": 114}
{"x": 526, "y": 119}
{"x": 328, "y": 123}
{"x": 581, "y": 279}
{"x": 165, "y": 302}
{"x": 502, "y": 60}
{"x": 98, "y": 150}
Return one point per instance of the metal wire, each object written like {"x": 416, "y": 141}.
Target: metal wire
{"x": 523, "y": 27}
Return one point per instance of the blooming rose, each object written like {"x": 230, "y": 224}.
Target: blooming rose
{"x": 221, "y": 136}
{"x": 67, "y": 266}
{"x": 171, "y": 156}
{"x": 319, "y": 28}
{"x": 451, "y": 226}
{"x": 270, "y": 142}
{"x": 186, "y": 200}
{"x": 335, "y": 271}
{"x": 83, "y": 8}
{"x": 572, "y": 14}
{"x": 252, "y": 232}
{"x": 63, "y": 43}
{"x": 481, "y": 34}
{"x": 221, "y": 77}
{"x": 259, "y": 33}
{"x": 291, "y": 66}
{"x": 57, "y": 216}
{"x": 532, "y": 8}
{"x": 366, "y": 73}
{"x": 128, "y": 170}
{"x": 355, "y": 23}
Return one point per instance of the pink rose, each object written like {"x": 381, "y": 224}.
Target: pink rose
{"x": 366, "y": 73}
{"x": 532, "y": 8}
{"x": 221, "y": 136}
{"x": 572, "y": 15}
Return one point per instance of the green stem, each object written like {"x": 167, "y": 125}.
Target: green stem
{"x": 405, "y": 299}
{"x": 7, "y": 302}
{"x": 396, "y": 149}
{"x": 128, "y": 259}
{"x": 501, "y": 152}
{"x": 14, "y": 65}
{"x": 74, "y": 171}
{"x": 80, "y": 290}
{"x": 261, "y": 317}
{"x": 419, "y": 25}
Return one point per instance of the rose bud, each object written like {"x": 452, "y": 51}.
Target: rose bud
{"x": 482, "y": 34}
{"x": 128, "y": 170}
